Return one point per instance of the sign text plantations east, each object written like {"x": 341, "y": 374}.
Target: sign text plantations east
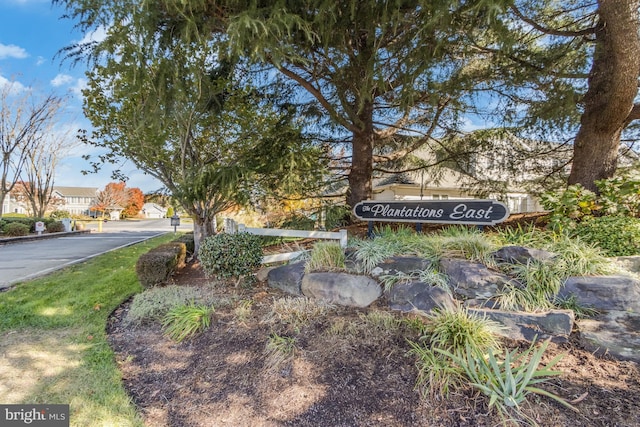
{"x": 471, "y": 211}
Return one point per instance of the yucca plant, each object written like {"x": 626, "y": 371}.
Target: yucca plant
{"x": 184, "y": 321}
{"x": 508, "y": 381}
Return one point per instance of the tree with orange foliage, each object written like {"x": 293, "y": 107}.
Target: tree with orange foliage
{"x": 117, "y": 196}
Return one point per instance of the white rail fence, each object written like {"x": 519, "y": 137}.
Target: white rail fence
{"x": 231, "y": 227}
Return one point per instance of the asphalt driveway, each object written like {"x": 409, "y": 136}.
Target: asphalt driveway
{"x": 25, "y": 260}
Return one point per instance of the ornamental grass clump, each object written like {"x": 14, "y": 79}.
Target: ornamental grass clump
{"x": 185, "y": 321}
{"x": 326, "y": 256}
{"x": 455, "y": 332}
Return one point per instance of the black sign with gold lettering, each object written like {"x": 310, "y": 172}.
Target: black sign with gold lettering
{"x": 468, "y": 211}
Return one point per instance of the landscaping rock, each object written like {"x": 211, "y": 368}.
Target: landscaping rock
{"x": 521, "y": 255}
{"x": 341, "y": 288}
{"x": 406, "y": 265}
{"x": 472, "y": 280}
{"x": 629, "y": 263}
{"x": 616, "y": 333}
{"x": 604, "y": 293}
{"x": 554, "y": 324}
{"x": 419, "y": 296}
{"x": 287, "y": 278}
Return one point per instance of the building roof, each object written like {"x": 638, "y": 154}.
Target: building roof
{"x": 76, "y": 191}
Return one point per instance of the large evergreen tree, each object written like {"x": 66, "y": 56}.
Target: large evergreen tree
{"x": 378, "y": 71}
{"x": 567, "y": 71}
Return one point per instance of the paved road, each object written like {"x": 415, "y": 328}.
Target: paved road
{"x": 26, "y": 260}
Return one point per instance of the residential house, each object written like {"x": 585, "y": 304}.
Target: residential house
{"x": 76, "y": 200}
{"x": 501, "y": 167}
{"x": 153, "y": 210}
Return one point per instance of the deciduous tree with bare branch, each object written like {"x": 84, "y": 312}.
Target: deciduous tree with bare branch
{"x": 24, "y": 119}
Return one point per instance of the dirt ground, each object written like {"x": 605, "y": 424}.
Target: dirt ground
{"x": 342, "y": 373}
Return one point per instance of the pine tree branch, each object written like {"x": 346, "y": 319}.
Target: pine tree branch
{"x": 551, "y": 31}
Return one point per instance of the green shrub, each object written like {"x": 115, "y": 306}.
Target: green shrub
{"x": 59, "y": 214}
{"x": 157, "y": 265}
{"x": 185, "y": 321}
{"x": 230, "y": 255}
{"x": 55, "y": 227}
{"x": 15, "y": 229}
{"x": 615, "y": 235}
{"x": 568, "y": 206}
{"x": 620, "y": 195}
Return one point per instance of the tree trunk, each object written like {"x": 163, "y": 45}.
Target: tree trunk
{"x": 361, "y": 173}
{"x": 202, "y": 228}
{"x": 613, "y": 85}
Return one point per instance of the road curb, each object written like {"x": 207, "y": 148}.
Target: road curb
{"x": 7, "y": 240}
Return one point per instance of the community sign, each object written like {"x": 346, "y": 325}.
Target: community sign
{"x": 471, "y": 211}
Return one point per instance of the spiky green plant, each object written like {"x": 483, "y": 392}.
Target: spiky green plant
{"x": 185, "y": 321}
{"x": 454, "y": 330}
{"x": 570, "y": 303}
{"x": 326, "y": 256}
{"x": 542, "y": 281}
{"x": 371, "y": 252}
{"x": 437, "y": 375}
{"x": 528, "y": 235}
{"x": 509, "y": 380}
{"x": 430, "y": 276}
{"x": 279, "y": 350}
{"x": 468, "y": 244}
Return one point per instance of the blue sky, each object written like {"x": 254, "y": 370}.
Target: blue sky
{"x": 31, "y": 34}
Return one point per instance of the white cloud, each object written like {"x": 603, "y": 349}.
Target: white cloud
{"x": 12, "y": 51}
{"x": 81, "y": 84}
{"x": 61, "y": 80}
{"x": 40, "y": 61}
{"x": 98, "y": 35}
{"x": 14, "y": 86}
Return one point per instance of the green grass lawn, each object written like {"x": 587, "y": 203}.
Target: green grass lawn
{"x": 54, "y": 345}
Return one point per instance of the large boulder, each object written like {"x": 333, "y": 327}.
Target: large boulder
{"x": 603, "y": 293}
{"x": 554, "y": 324}
{"x": 521, "y": 254}
{"x": 419, "y": 296}
{"x": 616, "y": 333}
{"x": 471, "y": 280}
{"x": 287, "y": 278}
{"x": 341, "y": 288}
{"x": 406, "y": 265}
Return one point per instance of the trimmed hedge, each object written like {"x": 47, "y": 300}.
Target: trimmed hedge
{"x": 15, "y": 229}
{"x": 55, "y": 227}
{"x": 189, "y": 241}
{"x": 156, "y": 266}
{"x": 230, "y": 255}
